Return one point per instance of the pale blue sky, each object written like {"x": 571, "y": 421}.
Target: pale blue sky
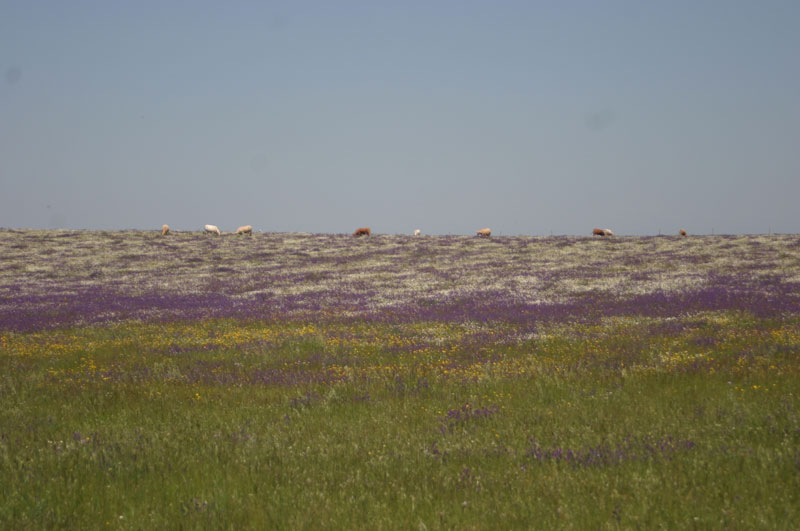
{"x": 526, "y": 117}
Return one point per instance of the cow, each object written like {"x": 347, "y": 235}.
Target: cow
{"x": 608, "y": 232}
{"x": 164, "y": 230}
{"x": 682, "y": 232}
{"x": 362, "y": 231}
{"x": 598, "y": 232}
{"x": 245, "y": 229}
{"x": 417, "y": 232}
{"x": 485, "y": 233}
{"x": 212, "y": 229}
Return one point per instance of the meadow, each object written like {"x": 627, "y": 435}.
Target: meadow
{"x": 306, "y": 381}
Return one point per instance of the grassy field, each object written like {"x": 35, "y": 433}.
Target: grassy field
{"x": 320, "y": 381}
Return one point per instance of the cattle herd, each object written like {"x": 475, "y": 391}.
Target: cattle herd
{"x": 366, "y": 231}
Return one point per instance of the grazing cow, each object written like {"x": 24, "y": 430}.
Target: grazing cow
{"x": 417, "y": 232}
{"x": 608, "y": 232}
{"x": 245, "y": 229}
{"x": 484, "y": 232}
{"x": 164, "y": 230}
{"x": 598, "y": 232}
{"x": 682, "y": 232}
{"x": 212, "y": 229}
{"x": 362, "y": 231}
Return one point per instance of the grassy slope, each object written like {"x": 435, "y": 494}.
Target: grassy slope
{"x": 622, "y": 421}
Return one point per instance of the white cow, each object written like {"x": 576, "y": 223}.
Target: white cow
{"x": 245, "y": 229}
{"x": 608, "y": 232}
{"x": 212, "y": 229}
{"x": 417, "y": 232}
{"x": 164, "y": 230}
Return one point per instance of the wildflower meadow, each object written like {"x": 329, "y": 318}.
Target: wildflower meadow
{"x": 318, "y": 381}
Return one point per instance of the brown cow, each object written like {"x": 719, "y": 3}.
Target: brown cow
{"x": 246, "y": 229}
{"x": 598, "y": 232}
{"x": 164, "y": 230}
{"x": 486, "y": 233}
{"x": 682, "y": 232}
{"x": 362, "y": 231}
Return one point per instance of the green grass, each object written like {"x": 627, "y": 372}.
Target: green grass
{"x": 373, "y": 426}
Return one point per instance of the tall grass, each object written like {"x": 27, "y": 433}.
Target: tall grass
{"x": 281, "y": 424}
{"x": 298, "y": 381}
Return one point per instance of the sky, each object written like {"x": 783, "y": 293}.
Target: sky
{"x": 528, "y": 117}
